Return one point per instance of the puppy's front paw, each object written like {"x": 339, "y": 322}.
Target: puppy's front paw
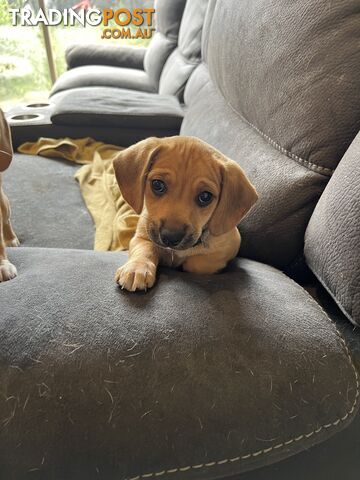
{"x": 7, "y": 271}
{"x": 136, "y": 276}
{"x": 14, "y": 242}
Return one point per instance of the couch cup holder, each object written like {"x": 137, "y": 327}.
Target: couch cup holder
{"x": 25, "y": 117}
{"x": 38, "y": 105}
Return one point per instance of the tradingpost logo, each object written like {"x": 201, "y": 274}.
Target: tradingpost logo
{"x": 119, "y": 24}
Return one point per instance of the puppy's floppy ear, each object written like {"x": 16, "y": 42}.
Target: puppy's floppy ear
{"x": 131, "y": 167}
{"x": 237, "y": 196}
{"x": 6, "y": 151}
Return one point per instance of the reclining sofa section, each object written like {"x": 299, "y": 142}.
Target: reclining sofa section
{"x": 124, "y": 112}
{"x": 123, "y": 66}
{"x": 169, "y": 61}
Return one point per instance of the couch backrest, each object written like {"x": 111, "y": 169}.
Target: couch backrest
{"x": 168, "y": 15}
{"x": 187, "y": 56}
{"x": 278, "y": 92}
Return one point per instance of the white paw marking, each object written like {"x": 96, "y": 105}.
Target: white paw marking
{"x": 7, "y": 271}
{"x": 136, "y": 276}
{"x": 13, "y": 243}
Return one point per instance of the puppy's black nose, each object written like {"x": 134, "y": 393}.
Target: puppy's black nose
{"x": 171, "y": 238}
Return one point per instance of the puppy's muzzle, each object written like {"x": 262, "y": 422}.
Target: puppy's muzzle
{"x": 172, "y": 238}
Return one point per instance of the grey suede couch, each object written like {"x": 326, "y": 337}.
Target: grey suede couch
{"x": 242, "y": 375}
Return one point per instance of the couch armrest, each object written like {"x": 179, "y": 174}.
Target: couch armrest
{"x": 92, "y": 54}
{"x": 116, "y": 107}
{"x": 332, "y": 240}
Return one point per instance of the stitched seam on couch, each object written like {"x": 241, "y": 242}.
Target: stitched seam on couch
{"x": 284, "y": 443}
{"x": 306, "y": 163}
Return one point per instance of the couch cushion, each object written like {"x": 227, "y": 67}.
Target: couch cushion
{"x": 285, "y": 104}
{"x": 332, "y": 241}
{"x": 46, "y": 204}
{"x": 187, "y": 55}
{"x": 201, "y": 377}
{"x": 168, "y": 17}
{"x": 114, "y": 107}
{"x": 103, "y": 76}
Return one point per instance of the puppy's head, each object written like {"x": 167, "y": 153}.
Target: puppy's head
{"x": 186, "y": 187}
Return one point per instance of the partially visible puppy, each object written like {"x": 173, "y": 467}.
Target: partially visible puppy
{"x": 7, "y": 235}
{"x": 190, "y": 198}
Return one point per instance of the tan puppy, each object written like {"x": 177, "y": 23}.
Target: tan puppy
{"x": 7, "y": 235}
{"x": 190, "y": 197}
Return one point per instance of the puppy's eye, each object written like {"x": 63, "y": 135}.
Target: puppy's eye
{"x": 158, "y": 187}
{"x": 204, "y": 198}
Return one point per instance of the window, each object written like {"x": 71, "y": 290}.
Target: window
{"x": 24, "y": 66}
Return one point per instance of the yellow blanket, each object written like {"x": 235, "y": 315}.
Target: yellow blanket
{"x": 115, "y": 221}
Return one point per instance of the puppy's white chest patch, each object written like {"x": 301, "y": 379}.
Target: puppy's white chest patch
{"x": 175, "y": 258}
